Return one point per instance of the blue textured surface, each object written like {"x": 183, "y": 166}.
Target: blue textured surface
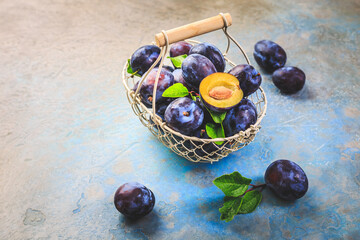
{"x": 69, "y": 137}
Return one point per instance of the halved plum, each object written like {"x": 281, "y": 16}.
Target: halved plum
{"x": 220, "y": 92}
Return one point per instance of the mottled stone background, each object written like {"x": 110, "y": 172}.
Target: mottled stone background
{"x": 69, "y": 138}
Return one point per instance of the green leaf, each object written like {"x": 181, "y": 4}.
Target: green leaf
{"x": 177, "y": 61}
{"x": 175, "y": 91}
{"x": 129, "y": 69}
{"x": 215, "y": 131}
{"x": 233, "y": 185}
{"x": 217, "y": 117}
{"x": 250, "y": 201}
{"x": 230, "y": 208}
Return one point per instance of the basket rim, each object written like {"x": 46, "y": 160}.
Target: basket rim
{"x": 158, "y": 120}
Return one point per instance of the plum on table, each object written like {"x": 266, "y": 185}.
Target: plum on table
{"x": 289, "y": 79}
{"x": 269, "y": 55}
{"x": 286, "y": 179}
{"x": 134, "y": 200}
{"x": 142, "y": 59}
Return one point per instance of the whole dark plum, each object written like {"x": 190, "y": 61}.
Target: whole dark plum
{"x": 269, "y": 55}
{"x": 143, "y": 58}
{"x": 195, "y": 68}
{"x": 184, "y": 115}
{"x": 134, "y": 200}
{"x": 212, "y": 53}
{"x": 239, "y": 118}
{"x": 166, "y": 79}
{"x": 180, "y": 48}
{"x": 289, "y": 79}
{"x": 286, "y": 179}
{"x": 248, "y": 76}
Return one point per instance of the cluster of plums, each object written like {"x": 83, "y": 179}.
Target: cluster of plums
{"x": 272, "y": 58}
{"x": 202, "y": 73}
{"x": 285, "y": 178}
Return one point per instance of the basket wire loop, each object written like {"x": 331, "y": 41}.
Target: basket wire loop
{"x": 226, "y": 24}
{"x": 232, "y": 39}
{"x": 162, "y": 56}
{"x": 162, "y": 52}
{"x": 192, "y": 148}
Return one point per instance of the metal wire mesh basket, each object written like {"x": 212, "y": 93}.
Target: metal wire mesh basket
{"x": 192, "y": 148}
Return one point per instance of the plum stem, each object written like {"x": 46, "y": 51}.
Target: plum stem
{"x": 134, "y": 73}
{"x": 186, "y": 114}
{"x": 193, "y": 92}
{"x": 255, "y": 186}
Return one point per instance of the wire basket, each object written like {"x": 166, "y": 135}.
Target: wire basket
{"x": 192, "y": 148}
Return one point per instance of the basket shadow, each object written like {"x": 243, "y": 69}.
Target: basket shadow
{"x": 305, "y": 93}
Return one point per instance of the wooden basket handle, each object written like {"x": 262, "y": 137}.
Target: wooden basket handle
{"x": 193, "y": 29}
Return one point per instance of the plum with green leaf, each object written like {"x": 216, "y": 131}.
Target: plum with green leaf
{"x": 142, "y": 59}
{"x": 285, "y": 178}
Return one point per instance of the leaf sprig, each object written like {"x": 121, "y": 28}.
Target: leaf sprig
{"x": 239, "y": 199}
